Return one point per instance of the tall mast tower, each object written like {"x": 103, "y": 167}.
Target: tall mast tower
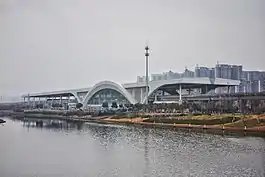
{"x": 146, "y": 72}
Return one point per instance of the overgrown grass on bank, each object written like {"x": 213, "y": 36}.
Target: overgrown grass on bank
{"x": 248, "y": 123}
{"x": 223, "y": 120}
{"x": 60, "y": 113}
{"x": 129, "y": 116}
{"x": 216, "y": 116}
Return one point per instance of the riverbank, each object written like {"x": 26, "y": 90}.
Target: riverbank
{"x": 221, "y": 122}
{"x": 67, "y": 118}
{"x": 235, "y": 123}
{"x": 11, "y": 113}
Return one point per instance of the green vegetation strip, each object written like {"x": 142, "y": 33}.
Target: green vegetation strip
{"x": 60, "y": 113}
{"x": 248, "y": 123}
{"x": 194, "y": 121}
{"x": 130, "y": 116}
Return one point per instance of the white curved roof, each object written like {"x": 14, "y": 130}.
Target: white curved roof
{"x": 108, "y": 85}
{"x": 59, "y": 92}
{"x": 187, "y": 80}
{"x": 122, "y": 88}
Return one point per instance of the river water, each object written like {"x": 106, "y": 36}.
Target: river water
{"x": 99, "y": 150}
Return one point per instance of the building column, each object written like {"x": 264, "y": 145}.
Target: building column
{"x": 146, "y": 94}
{"x": 52, "y": 101}
{"x": 228, "y": 89}
{"x": 34, "y": 103}
{"x": 133, "y": 93}
{"x": 259, "y": 86}
{"x": 236, "y": 88}
{"x": 46, "y": 102}
{"x": 24, "y": 101}
{"x": 28, "y": 101}
{"x": 141, "y": 95}
{"x": 31, "y": 103}
{"x": 68, "y": 101}
{"x": 39, "y": 103}
{"x": 180, "y": 93}
{"x": 61, "y": 100}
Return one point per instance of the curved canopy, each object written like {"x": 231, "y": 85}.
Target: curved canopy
{"x": 108, "y": 85}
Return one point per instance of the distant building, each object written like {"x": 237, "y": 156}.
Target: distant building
{"x": 251, "y": 81}
{"x": 172, "y": 75}
{"x": 169, "y": 75}
{"x": 212, "y": 72}
{"x": 9, "y": 99}
{"x": 223, "y": 71}
{"x": 157, "y": 77}
{"x": 204, "y": 72}
{"x": 165, "y": 76}
{"x": 244, "y": 75}
{"x": 255, "y": 86}
{"x": 243, "y": 87}
{"x": 226, "y": 71}
{"x": 262, "y": 82}
{"x": 140, "y": 79}
{"x": 253, "y": 75}
{"x": 236, "y": 72}
{"x": 188, "y": 73}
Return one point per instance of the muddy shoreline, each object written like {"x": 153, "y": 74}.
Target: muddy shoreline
{"x": 136, "y": 122}
{"x": 260, "y": 129}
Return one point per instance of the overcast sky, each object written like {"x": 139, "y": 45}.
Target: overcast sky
{"x": 60, "y": 44}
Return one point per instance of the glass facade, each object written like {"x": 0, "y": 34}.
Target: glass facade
{"x": 108, "y": 95}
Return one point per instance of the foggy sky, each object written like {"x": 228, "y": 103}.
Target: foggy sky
{"x": 60, "y": 44}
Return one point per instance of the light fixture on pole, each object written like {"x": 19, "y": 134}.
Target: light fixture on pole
{"x": 146, "y": 72}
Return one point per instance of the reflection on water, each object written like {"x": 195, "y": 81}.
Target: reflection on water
{"x": 58, "y": 148}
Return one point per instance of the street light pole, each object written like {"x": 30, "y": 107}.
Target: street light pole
{"x": 146, "y": 72}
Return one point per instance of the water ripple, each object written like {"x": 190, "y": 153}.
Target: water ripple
{"x": 110, "y": 150}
